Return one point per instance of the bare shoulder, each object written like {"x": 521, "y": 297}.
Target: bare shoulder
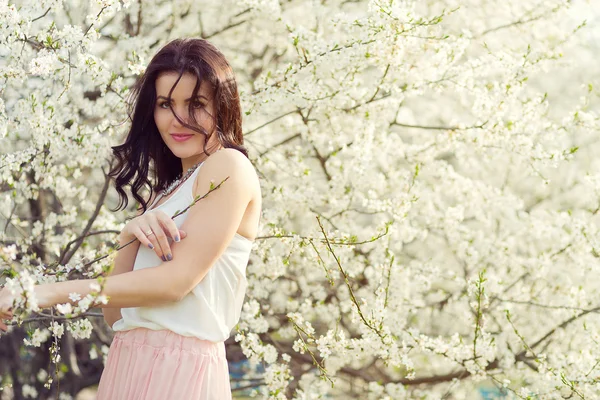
{"x": 232, "y": 163}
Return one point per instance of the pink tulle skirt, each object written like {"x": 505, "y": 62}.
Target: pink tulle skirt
{"x": 143, "y": 364}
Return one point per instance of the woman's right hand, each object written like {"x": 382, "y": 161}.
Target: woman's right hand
{"x": 160, "y": 228}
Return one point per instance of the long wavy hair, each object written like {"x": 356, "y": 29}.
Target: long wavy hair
{"x": 144, "y": 143}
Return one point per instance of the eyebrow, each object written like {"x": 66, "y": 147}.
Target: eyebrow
{"x": 200, "y": 96}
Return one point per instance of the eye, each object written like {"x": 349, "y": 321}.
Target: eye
{"x": 164, "y": 104}
{"x": 198, "y": 104}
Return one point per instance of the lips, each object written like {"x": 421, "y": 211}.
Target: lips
{"x": 181, "y": 137}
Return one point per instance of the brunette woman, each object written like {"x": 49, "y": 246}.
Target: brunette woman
{"x": 176, "y": 292}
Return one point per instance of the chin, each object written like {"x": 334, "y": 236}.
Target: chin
{"x": 185, "y": 150}
{"x": 187, "y": 153}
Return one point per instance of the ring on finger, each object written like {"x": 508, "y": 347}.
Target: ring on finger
{"x": 150, "y": 232}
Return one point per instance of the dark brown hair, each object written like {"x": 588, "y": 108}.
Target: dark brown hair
{"x": 144, "y": 143}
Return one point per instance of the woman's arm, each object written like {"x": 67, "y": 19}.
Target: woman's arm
{"x": 210, "y": 227}
{"x": 141, "y": 288}
{"x": 123, "y": 262}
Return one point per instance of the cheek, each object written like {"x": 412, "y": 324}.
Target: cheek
{"x": 199, "y": 114}
{"x": 205, "y": 116}
{"x": 159, "y": 120}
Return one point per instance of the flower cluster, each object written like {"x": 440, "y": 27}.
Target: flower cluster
{"x": 430, "y": 195}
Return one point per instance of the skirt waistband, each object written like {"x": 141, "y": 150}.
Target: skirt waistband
{"x": 169, "y": 339}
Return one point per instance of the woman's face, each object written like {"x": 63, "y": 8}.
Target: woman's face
{"x": 190, "y": 150}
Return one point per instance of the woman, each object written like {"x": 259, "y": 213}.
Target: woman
{"x": 177, "y": 291}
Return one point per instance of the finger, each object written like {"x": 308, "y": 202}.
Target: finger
{"x": 183, "y": 233}
{"x": 162, "y": 239}
{"x": 151, "y": 237}
{"x": 153, "y": 240}
{"x": 140, "y": 234}
{"x": 152, "y": 221}
{"x": 170, "y": 227}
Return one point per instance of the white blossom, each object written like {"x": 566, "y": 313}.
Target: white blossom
{"x": 80, "y": 329}
{"x": 57, "y": 329}
{"x": 449, "y": 149}
{"x": 37, "y": 337}
{"x": 29, "y": 391}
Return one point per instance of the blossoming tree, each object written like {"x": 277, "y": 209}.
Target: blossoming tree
{"x": 431, "y": 194}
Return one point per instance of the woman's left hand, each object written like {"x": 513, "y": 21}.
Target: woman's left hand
{"x": 6, "y": 303}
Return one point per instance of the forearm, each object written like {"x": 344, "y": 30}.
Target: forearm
{"x": 123, "y": 263}
{"x": 140, "y": 288}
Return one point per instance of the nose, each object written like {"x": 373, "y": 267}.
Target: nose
{"x": 182, "y": 114}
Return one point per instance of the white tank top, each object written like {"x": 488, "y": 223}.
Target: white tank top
{"x": 211, "y": 309}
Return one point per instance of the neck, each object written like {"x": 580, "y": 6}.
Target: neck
{"x": 192, "y": 161}
{"x": 187, "y": 164}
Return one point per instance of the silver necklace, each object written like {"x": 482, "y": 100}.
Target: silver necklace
{"x": 177, "y": 181}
